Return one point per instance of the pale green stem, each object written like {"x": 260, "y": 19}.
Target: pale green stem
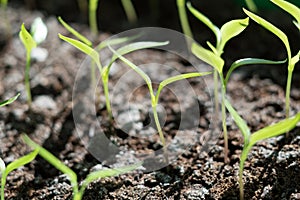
{"x": 183, "y": 18}
{"x": 77, "y": 196}
{"x": 223, "y": 90}
{"x": 130, "y": 11}
{"x": 106, "y": 94}
{"x": 160, "y": 132}
{"x": 243, "y": 158}
{"x": 93, "y": 21}
{"x": 27, "y": 79}
{"x": 3, "y": 182}
{"x": 216, "y": 93}
{"x": 287, "y": 95}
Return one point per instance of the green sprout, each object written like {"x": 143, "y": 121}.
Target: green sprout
{"x": 78, "y": 190}
{"x": 154, "y": 96}
{"x": 9, "y": 101}
{"x": 282, "y": 36}
{"x": 130, "y": 11}
{"x": 93, "y": 5}
{"x": 5, "y": 170}
{"x": 251, "y": 139}
{"x": 29, "y": 44}
{"x": 213, "y": 58}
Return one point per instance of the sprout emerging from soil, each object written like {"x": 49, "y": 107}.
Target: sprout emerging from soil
{"x": 78, "y": 190}
{"x": 130, "y": 11}
{"x": 29, "y": 44}
{"x": 282, "y": 36}
{"x": 9, "y": 101}
{"x": 14, "y": 165}
{"x": 251, "y": 139}
{"x": 154, "y": 96}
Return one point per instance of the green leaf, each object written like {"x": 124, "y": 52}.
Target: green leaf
{"x": 84, "y": 48}
{"x": 107, "y": 173}
{"x": 270, "y": 27}
{"x": 275, "y": 129}
{"x": 295, "y": 59}
{"x": 249, "y": 61}
{"x": 178, "y": 78}
{"x": 206, "y": 21}
{"x": 39, "y": 30}
{"x": 136, "y": 69}
{"x": 49, "y": 157}
{"x": 75, "y": 33}
{"x": 209, "y": 57}
{"x": 21, "y": 161}
{"x": 232, "y": 29}
{"x": 251, "y": 5}
{"x": 26, "y": 39}
{"x": 290, "y": 8}
{"x": 9, "y": 101}
{"x": 134, "y": 47}
{"x": 239, "y": 121}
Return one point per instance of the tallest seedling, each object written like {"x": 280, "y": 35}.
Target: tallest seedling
{"x": 213, "y": 57}
{"x": 93, "y": 5}
{"x": 282, "y": 36}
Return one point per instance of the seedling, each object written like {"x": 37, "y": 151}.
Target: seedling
{"x": 78, "y": 190}
{"x": 130, "y": 11}
{"x": 104, "y": 71}
{"x": 213, "y": 58}
{"x": 282, "y": 36}
{"x": 4, "y": 171}
{"x": 29, "y": 44}
{"x": 154, "y": 96}
{"x": 93, "y": 5}
{"x": 251, "y": 139}
{"x": 14, "y": 165}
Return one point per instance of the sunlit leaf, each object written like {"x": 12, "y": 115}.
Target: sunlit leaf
{"x": 82, "y": 47}
{"x": 74, "y": 32}
{"x": 249, "y": 61}
{"x": 208, "y": 57}
{"x": 9, "y": 101}
{"x": 290, "y": 8}
{"x": 206, "y": 21}
{"x": 232, "y": 29}
{"x": 275, "y": 129}
{"x": 270, "y": 27}
{"x": 239, "y": 121}
{"x": 26, "y": 39}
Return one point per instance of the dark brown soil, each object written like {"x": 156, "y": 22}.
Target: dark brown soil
{"x": 271, "y": 172}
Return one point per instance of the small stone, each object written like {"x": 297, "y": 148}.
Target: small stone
{"x": 45, "y": 102}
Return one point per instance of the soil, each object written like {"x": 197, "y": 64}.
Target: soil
{"x": 271, "y": 171}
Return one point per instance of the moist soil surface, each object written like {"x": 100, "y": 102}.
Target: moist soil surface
{"x": 272, "y": 170}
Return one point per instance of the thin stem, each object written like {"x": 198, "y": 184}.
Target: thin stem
{"x": 93, "y": 21}
{"x": 27, "y": 78}
{"x": 130, "y": 11}
{"x": 223, "y": 90}
{"x": 106, "y": 93}
{"x": 183, "y": 18}
{"x": 241, "y": 184}
{"x": 287, "y": 96}
{"x": 160, "y": 132}
{"x": 3, "y": 182}
{"x": 216, "y": 96}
